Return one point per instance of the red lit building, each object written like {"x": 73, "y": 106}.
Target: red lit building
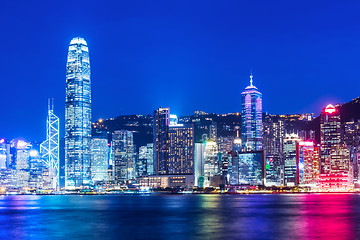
{"x": 335, "y": 158}
{"x": 330, "y": 135}
{"x": 308, "y": 162}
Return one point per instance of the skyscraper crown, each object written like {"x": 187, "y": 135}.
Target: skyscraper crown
{"x": 251, "y": 86}
{"x": 78, "y": 40}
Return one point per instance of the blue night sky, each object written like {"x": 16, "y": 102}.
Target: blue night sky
{"x": 188, "y": 55}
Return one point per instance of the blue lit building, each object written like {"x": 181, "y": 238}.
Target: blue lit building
{"x": 77, "y": 115}
{"x": 181, "y": 149}
{"x": 49, "y": 149}
{"x": 123, "y": 156}
{"x": 251, "y": 118}
{"x": 99, "y": 158}
{"x": 160, "y": 136}
{"x": 250, "y": 168}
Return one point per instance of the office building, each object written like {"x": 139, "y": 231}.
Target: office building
{"x": 340, "y": 175}
{"x": 251, "y": 118}
{"x": 161, "y": 122}
{"x": 308, "y": 163}
{"x": 146, "y": 159}
{"x": 36, "y": 166}
{"x": 274, "y": 170}
{"x": 99, "y": 158}
{"x": 330, "y": 135}
{"x": 173, "y": 144}
{"x": 250, "y": 168}
{"x": 22, "y": 163}
{"x": 77, "y": 115}
{"x": 291, "y": 152}
{"x": 4, "y": 154}
{"x": 211, "y": 163}
{"x": 123, "y": 156}
{"x": 49, "y": 149}
{"x": 199, "y": 164}
{"x": 180, "y": 149}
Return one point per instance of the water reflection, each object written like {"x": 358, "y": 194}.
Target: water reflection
{"x": 307, "y": 216}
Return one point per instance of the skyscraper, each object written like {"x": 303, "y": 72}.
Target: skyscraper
{"x": 160, "y": 133}
{"x": 181, "y": 149}
{"x": 251, "y": 118}
{"x": 22, "y": 163}
{"x": 291, "y": 163}
{"x": 173, "y": 144}
{"x": 330, "y": 134}
{"x": 77, "y": 115}
{"x": 308, "y": 162}
{"x": 99, "y": 158}
{"x": 211, "y": 162}
{"x": 123, "y": 155}
{"x": 49, "y": 149}
{"x": 250, "y": 167}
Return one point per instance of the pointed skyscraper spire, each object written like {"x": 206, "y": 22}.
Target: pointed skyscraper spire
{"x": 251, "y": 80}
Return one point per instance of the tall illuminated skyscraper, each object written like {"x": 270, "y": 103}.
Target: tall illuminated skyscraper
{"x": 180, "y": 149}
{"x": 330, "y": 134}
{"x": 77, "y": 115}
{"x": 160, "y": 138}
{"x": 49, "y": 149}
{"x": 251, "y": 118}
{"x": 291, "y": 163}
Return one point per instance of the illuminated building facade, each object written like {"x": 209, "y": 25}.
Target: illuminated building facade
{"x": 330, "y": 135}
{"x": 99, "y": 158}
{"x": 22, "y": 163}
{"x": 49, "y": 149}
{"x": 308, "y": 162}
{"x": 340, "y": 160}
{"x": 180, "y": 149}
{"x": 123, "y": 155}
{"x": 77, "y": 115}
{"x": 251, "y": 168}
{"x": 36, "y": 166}
{"x": 274, "y": 170}
{"x": 146, "y": 157}
{"x": 161, "y": 122}
{"x": 165, "y": 181}
{"x": 173, "y": 144}
{"x": 340, "y": 175}
{"x": 211, "y": 162}
{"x": 4, "y": 154}
{"x": 251, "y": 118}
{"x": 199, "y": 164}
{"x": 273, "y": 135}
{"x": 291, "y": 160}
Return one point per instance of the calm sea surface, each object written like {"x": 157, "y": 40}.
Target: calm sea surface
{"x": 155, "y": 216}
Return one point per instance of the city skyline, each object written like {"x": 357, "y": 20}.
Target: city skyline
{"x": 139, "y": 60}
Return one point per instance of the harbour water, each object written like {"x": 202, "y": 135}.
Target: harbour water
{"x": 161, "y": 216}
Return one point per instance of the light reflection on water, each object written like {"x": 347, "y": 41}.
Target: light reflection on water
{"x": 298, "y": 216}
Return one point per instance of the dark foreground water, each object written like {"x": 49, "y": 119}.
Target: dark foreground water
{"x": 315, "y": 216}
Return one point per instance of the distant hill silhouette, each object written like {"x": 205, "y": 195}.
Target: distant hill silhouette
{"x": 350, "y": 111}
